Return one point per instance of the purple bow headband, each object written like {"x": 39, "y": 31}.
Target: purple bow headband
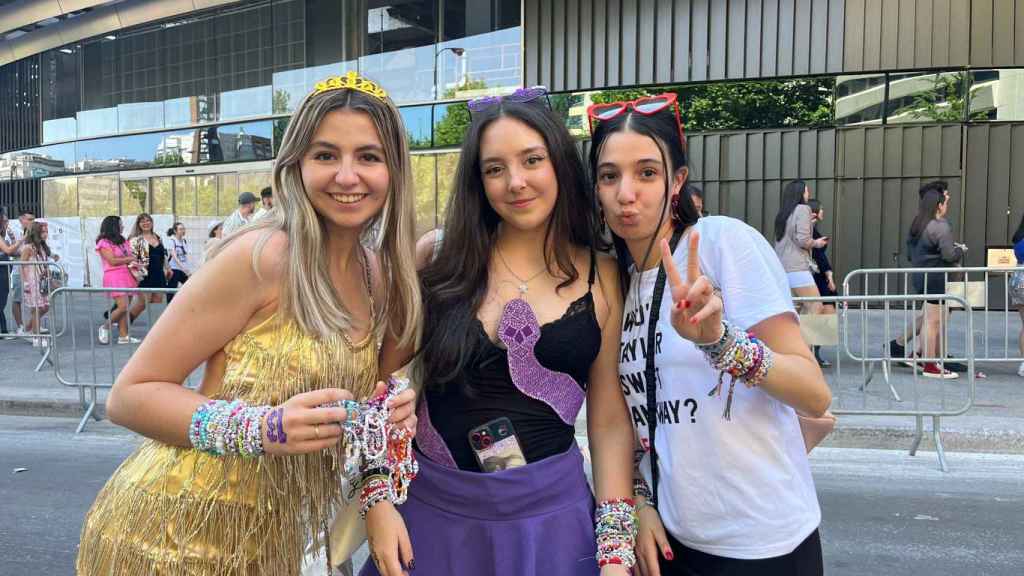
{"x": 521, "y": 95}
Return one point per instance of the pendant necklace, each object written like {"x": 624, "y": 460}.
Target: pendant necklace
{"x": 522, "y": 283}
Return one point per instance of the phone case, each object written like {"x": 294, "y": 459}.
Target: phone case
{"x": 496, "y": 446}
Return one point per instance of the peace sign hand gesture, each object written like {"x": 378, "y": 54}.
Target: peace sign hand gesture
{"x": 697, "y": 309}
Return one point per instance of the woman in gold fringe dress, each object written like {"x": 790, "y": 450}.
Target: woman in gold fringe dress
{"x": 288, "y": 315}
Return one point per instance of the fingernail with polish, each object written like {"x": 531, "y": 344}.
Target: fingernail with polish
{"x": 668, "y": 555}
{"x": 681, "y": 304}
{"x": 412, "y": 564}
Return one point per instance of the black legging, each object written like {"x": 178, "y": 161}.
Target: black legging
{"x": 805, "y": 560}
{"x": 177, "y": 278}
{"x": 5, "y": 290}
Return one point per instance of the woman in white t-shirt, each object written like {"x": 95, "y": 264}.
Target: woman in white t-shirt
{"x": 731, "y": 482}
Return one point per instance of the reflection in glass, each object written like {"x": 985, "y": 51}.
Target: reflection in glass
{"x": 291, "y": 86}
{"x": 60, "y": 129}
{"x": 38, "y": 162}
{"x": 134, "y": 197}
{"x": 184, "y": 196}
{"x": 926, "y": 97}
{"x": 97, "y": 196}
{"x": 399, "y": 55}
{"x": 860, "y": 99}
{"x": 450, "y": 124}
{"x": 162, "y": 195}
{"x": 140, "y": 116}
{"x": 490, "y": 34}
{"x": 997, "y": 95}
{"x": 236, "y": 142}
{"x": 100, "y": 122}
{"x": 60, "y": 197}
{"x": 246, "y": 103}
{"x": 426, "y": 194}
{"x": 417, "y": 125}
{"x": 227, "y": 195}
{"x": 447, "y": 164}
{"x": 206, "y": 195}
{"x": 251, "y": 182}
{"x": 189, "y": 110}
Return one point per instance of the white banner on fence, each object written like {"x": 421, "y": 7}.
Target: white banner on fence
{"x": 65, "y": 240}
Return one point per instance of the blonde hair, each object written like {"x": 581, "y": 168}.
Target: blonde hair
{"x": 308, "y": 295}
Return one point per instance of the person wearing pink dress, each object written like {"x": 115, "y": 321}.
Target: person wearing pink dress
{"x": 117, "y": 258}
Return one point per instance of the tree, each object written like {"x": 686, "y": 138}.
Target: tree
{"x": 744, "y": 105}
{"x": 945, "y": 102}
{"x": 450, "y": 130}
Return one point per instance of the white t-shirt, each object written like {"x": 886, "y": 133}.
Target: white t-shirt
{"x": 738, "y": 488}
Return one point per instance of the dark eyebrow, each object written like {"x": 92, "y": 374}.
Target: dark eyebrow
{"x": 530, "y": 150}
{"x": 370, "y": 148}
{"x": 323, "y": 144}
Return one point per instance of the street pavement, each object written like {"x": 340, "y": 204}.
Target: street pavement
{"x": 884, "y": 513}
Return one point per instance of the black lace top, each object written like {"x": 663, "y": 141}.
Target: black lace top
{"x": 485, "y": 390}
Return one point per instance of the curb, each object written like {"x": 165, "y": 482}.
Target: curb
{"x": 902, "y": 438}
{"x": 51, "y": 408}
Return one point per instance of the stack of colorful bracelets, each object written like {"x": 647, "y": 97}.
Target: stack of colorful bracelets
{"x": 740, "y": 355}
{"x": 223, "y": 427}
{"x": 616, "y": 530}
{"x": 379, "y": 460}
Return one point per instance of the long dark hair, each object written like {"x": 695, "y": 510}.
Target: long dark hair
{"x": 34, "y": 238}
{"x": 663, "y": 130}
{"x": 455, "y": 282}
{"x": 110, "y": 229}
{"x": 926, "y": 209}
{"x": 792, "y": 196}
{"x": 1019, "y": 234}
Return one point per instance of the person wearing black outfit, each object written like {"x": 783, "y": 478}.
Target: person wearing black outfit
{"x": 148, "y": 247}
{"x": 822, "y": 269}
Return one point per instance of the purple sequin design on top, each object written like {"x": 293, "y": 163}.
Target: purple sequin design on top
{"x": 429, "y": 441}
{"x": 520, "y": 331}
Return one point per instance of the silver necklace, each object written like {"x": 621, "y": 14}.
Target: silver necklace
{"x": 523, "y": 284}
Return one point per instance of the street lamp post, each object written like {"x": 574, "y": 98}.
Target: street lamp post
{"x": 437, "y": 96}
{"x": 457, "y": 52}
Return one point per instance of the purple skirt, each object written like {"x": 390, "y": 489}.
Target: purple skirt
{"x": 535, "y": 520}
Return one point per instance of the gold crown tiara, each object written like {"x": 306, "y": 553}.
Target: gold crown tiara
{"x": 352, "y": 81}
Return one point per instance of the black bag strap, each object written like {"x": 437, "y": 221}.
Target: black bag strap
{"x": 649, "y": 371}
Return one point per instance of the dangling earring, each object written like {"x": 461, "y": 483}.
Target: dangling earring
{"x": 675, "y": 209}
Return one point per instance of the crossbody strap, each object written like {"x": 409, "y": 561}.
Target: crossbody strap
{"x": 650, "y": 374}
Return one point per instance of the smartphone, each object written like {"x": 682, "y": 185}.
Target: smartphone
{"x": 496, "y": 446}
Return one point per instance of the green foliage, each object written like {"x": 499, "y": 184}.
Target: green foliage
{"x": 945, "y": 102}
{"x": 806, "y": 103}
{"x": 451, "y": 128}
{"x": 281, "y": 102}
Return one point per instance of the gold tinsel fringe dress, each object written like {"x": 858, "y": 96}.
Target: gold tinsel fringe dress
{"x": 176, "y": 511}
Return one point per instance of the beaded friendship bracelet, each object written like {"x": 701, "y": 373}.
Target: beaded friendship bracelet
{"x": 740, "y": 355}
{"x": 379, "y": 460}
{"x": 222, "y": 427}
{"x": 615, "y": 531}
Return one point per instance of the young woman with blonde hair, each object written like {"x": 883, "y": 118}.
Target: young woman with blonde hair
{"x": 239, "y": 476}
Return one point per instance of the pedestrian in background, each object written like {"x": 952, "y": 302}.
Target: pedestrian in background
{"x": 1017, "y": 286}
{"x": 266, "y": 202}
{"x": 116, "y": 257}
{"x": 243, "y": 215}
{"x": 794, "y": 241}
{"x": 25, "y": 220}
{"x": 697, "y": 197}
{"x": 9, "y": 250}
{"x": 932, "y": 246}
{"x": 152, "y": 255}
{"x": 822, "y": 270}
{"x": 181, "y": 267}
{"x": 35, "y": 280}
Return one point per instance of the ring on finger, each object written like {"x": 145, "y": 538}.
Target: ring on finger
{"x": 316, "y": 430}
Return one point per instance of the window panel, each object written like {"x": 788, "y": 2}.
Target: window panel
{"x": 184, "y": 196}
{"x": 206, "y": 195}
{"x": 162, "y": 190}
{"x": 97, "y": 196}
{"x": 926, "y": 97}
{"x": 134, "y": 197}
{"x": 60, "y": 197}
{"x": 997, "y": 95}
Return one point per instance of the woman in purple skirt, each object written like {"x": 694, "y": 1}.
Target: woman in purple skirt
{"x": 522, "y": 325}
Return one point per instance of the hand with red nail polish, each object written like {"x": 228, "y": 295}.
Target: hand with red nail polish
{"x": 697, "y": 314}
{"x": 650, "y": 541}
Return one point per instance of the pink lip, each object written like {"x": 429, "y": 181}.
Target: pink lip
{"x": 522, "y": 203}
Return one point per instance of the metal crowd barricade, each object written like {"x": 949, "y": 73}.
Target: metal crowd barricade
{"x": 858, "y": 321}
{"x": 80, "y": 359}
{"x": 981, "y": 291}
{"x": 35, "y": 318}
